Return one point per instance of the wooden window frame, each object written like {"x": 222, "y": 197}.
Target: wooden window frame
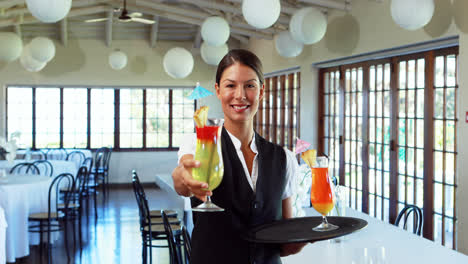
{"x": 429, "y": 181}
{"x": 88, "y": 123}
{"x": 277, "y": 106}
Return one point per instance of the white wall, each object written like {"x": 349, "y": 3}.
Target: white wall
{"x": 367, "y": 28}
{"x": 85, "y": 62}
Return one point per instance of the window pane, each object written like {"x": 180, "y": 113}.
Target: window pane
{"x": 20, "y": 114}
{"x": 182, "y": 122}
{"x": 47, "y": 117}
{"x": 75, "y": 117}
{"x": 102, "y": 118}
{"x": 131, "y": 118}
{"x": 157, "y": 118}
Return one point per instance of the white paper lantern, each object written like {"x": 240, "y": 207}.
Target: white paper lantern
{"x": 11, "y": 46}
{"x": 215, "y": 31}
{"x": 213, "y": 55}
{"x": 286, "y": 46}
{"x": 308, "y": 25}
{"x": 178, "y": 63}
{"x": 49, "y": 11}
{"x": 42, "y": 49}
{"x": 29, "y": 63}
{"x": 412, "y": 14}
{"x": 117, "y": 60}
{"x": 261, "y": 13}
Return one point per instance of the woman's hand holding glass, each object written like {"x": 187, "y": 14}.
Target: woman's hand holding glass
{"x": 184, "y": 182}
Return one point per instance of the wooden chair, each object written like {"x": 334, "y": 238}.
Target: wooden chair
{"x": 417, "y": 214}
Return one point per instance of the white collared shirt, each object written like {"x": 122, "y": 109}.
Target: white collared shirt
{"x": 188, "y": 146}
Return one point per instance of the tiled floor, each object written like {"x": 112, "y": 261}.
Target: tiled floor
{"x": 115, "y": 236}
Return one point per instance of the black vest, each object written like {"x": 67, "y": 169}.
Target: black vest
{"x": 216, "y": 237}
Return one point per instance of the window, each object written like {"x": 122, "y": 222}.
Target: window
{"x": 79, "y": 117}
{"x": 75, "y": 117}
{"x": 389, "y": 128}
{"x": 278, "y": 112}
{"x": 131, "y": 118}
{"x": 102, "y": 117}
{"x": 20, "y": 114}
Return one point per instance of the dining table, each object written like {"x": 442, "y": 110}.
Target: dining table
{"x": 20, "y": 196}
{"x": 377, "y": 243}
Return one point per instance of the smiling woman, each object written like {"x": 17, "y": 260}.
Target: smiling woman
{"x": 256, "y": 186}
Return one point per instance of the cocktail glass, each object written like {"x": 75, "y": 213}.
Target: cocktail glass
{"x": 322, "y": 194}
{"x": 211, "y": 170}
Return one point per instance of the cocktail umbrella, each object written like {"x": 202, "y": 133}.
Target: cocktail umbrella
{"x": 199, "y": 92}
{"x": 301, "y": 145}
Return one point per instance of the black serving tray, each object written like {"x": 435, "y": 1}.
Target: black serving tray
{"x": 295, "y": 230}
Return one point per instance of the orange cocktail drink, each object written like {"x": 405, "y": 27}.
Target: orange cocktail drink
{"x": 321, "y": 194}
{"x": 207, "y": 152}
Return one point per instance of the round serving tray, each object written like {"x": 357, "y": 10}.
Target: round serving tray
{"x": 295, "y": 230}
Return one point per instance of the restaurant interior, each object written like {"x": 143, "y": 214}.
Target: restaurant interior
{"x": 97, "y": 96}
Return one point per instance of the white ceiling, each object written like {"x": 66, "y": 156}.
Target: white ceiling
{"x": 176, "y": 20}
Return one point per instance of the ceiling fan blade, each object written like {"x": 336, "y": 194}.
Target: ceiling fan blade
{"x": 135, "y": 14}
{"x": 96, "y": 20}
{"x": 142, "y": 20}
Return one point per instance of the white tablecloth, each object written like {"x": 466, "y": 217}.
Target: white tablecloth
{"x": 60, "y": 166}
{"x": 21, "y": 195}
{"x": 3, "y": 226}
{"x": 379, "y": 242}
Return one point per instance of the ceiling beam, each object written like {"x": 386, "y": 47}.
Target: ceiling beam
{"x": 198, "y": 39}
{"x": 73, "y": 13}
{"x": 343, "y": 5}
{"x": 242, "y": 39}
{"x": 154, "y": 31}
{"x": 180, "y": 14}
{"x": 227, "y": 8}
{"x": 18, "y": 31}
{"x": 64, "y": 31}
{"x": 109, "y": 22}
{"x": 10, "y": 3}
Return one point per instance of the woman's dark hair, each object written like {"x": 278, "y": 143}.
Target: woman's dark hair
{"x": 243, "y": 57}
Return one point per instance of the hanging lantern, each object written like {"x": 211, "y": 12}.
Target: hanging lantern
{"x": 286, "y": 46}
{"x": 49, "y": 11}
{"x": 261, "y": 13}
{"x": 42, "y": 49}
{"x": 412, "y": 15}
{"x": 29, "y": 63}
{"x": 308, "y": 25}
{"x": 11, "y": 46}
{"x": 117, "y": 60}
{"x": 178, "y": 63}
{"x": 215, "y": 31}
{"x": 213, "y": 55}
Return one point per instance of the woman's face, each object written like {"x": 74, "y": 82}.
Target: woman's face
{"x": 239, "y": 91}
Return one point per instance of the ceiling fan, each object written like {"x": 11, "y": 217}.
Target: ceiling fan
{"x": 125, "y": 16}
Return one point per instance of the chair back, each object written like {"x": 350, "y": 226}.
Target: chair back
{"x": 25, "y": 168}
{"x": 187, "y": 243}
{"x": 45, "y": 167}
{"x": 107, "y": 156}
{"x": 56, "y": 154}
{"x": 35, "y": 154}
{"x": 143, "y": 208}
{"x": 174, "y": 256}
{"x": 76, "y": 156}
{"x": 80, "y": 184}
{"x": 417, "y": 214}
